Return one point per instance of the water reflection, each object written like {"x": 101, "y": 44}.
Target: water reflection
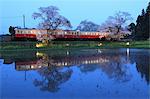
{"x": 55, "y": 68}
{"x": 52, "y": 77}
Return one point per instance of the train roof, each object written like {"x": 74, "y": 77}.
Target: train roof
{"x": 28, "y": 29}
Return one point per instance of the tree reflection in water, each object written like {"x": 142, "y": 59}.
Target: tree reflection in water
{"x": 117, "y": 68}
{"x": 142, "y": 60}
{"x": 52, "y": 78}
{"x": 118, "y": 65}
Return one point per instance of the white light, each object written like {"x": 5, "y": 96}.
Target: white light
{"x": 67, "y": 52}
{"x": 66, "y": 63}
{"x": 100, "y": 44}
{"x": 86, "y": 62}
{"x": 128, "y": 51}
{"x": 127, "y": 43}
{"x": 32, "y": 66}
{"x": 99, "y": 51}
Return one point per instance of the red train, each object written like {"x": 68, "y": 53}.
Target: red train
{"x": 39, "y": 34}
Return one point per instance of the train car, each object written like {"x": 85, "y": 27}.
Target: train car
{"x": 30, "y": 34}
{"x": 77, "y": 35}
{"x": 43, "y": 34}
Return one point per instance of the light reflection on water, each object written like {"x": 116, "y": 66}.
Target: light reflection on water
{"x": 87, "y": 73}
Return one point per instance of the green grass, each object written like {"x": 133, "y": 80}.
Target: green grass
{"x": 5, "y": 46}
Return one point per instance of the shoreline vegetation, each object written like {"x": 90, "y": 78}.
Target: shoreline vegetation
{"x": 60, "y": 45}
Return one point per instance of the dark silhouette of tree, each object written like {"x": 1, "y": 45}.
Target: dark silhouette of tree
{"x": 12, "y": 32}
{"x": 142, "y": 63}
{"x": 50, "y": 18}
{"x": 131, "y": 28}
{"x": 147, "y": 21}
{"x": 87, "y": 26}
{"x": 142, "y": 25}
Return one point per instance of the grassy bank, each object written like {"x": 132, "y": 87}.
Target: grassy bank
{"x": 72, "y": 45}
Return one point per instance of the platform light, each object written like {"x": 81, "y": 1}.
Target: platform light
{"x": 40, "y": 45}
{"x": 100, "y": 44}
{"x": 127, "y": 43}
{"x": 67, "y": 44}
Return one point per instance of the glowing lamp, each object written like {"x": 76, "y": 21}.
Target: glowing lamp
{"x": 40, "y": 45}
{"x": 127, "y": 43}
{"x": 67, "y": 44}
{"x": 100, "y": 44}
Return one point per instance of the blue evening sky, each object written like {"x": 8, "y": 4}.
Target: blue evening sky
{"x": 11, "y": 11}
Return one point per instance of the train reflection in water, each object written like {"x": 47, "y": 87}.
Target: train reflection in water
{"x": 43, "y": 60}
{"x": 111, "y": 61}
{"x": 74, "y": 73}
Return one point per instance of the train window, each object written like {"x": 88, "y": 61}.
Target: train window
{"x": 58, "y": 33}
{"x": 24, "y": 31}
{"x": 78, "y": 33}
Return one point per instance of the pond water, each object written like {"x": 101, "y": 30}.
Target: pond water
{"x": 75, "y": 74}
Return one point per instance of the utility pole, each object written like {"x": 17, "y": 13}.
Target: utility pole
{"x": 24, "y": 21}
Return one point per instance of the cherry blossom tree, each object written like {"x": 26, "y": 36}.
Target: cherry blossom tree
{"x": 117, "y": 23}
{"x": 50, "y": 18}
{"x": 87, "y": 26}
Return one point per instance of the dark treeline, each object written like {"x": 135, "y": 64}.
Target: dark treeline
{"x": 141, "y": 30}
